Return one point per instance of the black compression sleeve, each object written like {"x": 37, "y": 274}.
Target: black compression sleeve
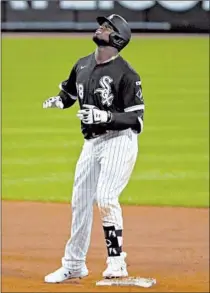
{"x": 121, "y": 121}
{"x": 66, "y": 99}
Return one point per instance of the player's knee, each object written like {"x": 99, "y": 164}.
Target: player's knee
{"x": 105, "y": 202}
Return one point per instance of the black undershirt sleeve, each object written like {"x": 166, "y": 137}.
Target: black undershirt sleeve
{"x": 132, "y": 97}
{"x": 68, "y": 89}
{"x": 121, "y": 121}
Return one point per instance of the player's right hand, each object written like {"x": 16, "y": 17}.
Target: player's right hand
{"x": 53, "y": 102}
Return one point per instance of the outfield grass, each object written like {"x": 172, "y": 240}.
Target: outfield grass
{"x": 40, "y": 147}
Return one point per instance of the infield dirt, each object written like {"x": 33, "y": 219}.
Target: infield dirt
{"x": 169, "y": 244}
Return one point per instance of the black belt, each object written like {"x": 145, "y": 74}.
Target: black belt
{"x": 90, "y": 135}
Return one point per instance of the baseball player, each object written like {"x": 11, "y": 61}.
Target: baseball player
{"x": 111, "y": 111}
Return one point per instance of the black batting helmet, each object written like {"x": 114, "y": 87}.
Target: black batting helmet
{"x": 122, "y": 33}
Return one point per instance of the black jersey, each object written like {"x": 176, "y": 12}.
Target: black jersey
{"x": 111, "y": 86}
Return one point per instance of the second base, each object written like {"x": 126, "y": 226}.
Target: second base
{"x": 130, "y": 281}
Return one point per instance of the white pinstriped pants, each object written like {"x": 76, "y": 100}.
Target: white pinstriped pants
{"x": 102, "y": 172}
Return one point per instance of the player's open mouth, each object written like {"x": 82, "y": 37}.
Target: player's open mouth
{"x": 98, "y": 31}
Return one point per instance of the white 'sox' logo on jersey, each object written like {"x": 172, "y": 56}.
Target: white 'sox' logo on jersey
{"x": 105, "y": 90}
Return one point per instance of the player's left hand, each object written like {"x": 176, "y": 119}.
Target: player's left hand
{"x": 92, "y": 115}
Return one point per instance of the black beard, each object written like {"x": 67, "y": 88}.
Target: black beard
{"x": 100, "y": 43}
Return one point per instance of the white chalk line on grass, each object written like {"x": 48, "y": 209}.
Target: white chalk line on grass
{"x": 145, "y": 176}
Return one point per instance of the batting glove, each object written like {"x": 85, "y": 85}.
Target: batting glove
{"x": 53, "y": 102}
{"x": 92, "y": 115}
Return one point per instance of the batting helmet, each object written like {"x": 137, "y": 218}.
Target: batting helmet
{"x": 122, "y": 33}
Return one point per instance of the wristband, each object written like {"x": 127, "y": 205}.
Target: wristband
{"x": 109, "y": 117}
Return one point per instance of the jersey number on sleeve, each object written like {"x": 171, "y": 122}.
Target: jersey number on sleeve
{"x": 80, "y": 90}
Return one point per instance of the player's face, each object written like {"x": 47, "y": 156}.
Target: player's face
{"x": 103, "y": 32}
